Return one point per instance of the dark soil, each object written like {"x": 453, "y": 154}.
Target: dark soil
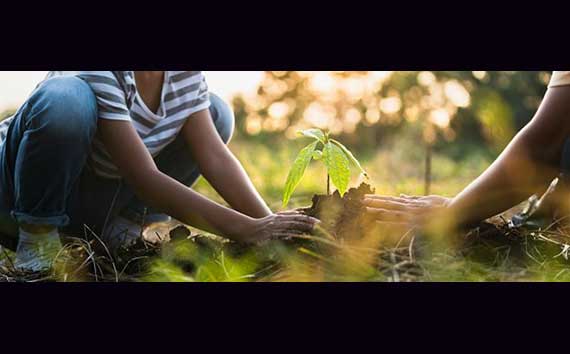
{"x": 345, "y": 224}
{"x": 343, "y": 217}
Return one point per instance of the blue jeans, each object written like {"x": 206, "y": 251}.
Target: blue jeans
{"x": 44, "y": 178}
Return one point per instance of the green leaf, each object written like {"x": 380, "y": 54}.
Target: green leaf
{"x": 350, "y": 157}
{"x": 338, "y": 166}
{"x": 313, "y": 133}
{"x": 317, "y": 155}
{"x": 297, "y": 171}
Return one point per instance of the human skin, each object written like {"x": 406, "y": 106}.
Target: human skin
{"x": 250, "y": 220}
{"x": 526, "y": 166}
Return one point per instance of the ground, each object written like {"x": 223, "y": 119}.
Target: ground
{"x": 492, "y": 252}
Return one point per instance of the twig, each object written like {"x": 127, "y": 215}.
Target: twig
{"x": 395, "y": 275}
{"x": 411, "y": 249}
{"x": 560, "y": 273}
{"x": 129, "y": 263}
{"x": 404, "y": 236}
{"x": 106, "y": 250}
{"x": 8, "y": 258}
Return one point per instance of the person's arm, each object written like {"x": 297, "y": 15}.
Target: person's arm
{"x": 525, "y": 167}
{"x": 220, "y": 167}
{"x": 165, "y": 193}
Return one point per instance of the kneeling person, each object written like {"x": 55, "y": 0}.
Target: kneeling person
{"x": 98, "y": 148}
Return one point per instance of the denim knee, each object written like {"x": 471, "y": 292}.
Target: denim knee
{"x": 52, "y": 135}
{"x": 65, "y": 109}
{"x": 223, "y": 117}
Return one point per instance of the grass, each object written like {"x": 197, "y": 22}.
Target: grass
{"x": 536, "y": 252}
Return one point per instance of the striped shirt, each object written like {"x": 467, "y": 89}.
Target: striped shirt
{"x": 183, "y": 93}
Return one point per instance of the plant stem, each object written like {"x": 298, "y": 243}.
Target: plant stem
{"x": 328, "y": 184}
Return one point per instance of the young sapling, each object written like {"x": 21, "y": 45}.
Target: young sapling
{"x": 336, "y": 157}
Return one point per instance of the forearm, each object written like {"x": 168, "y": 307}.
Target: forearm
{"x": 228, "y": 177}
{"x": 524, "y": 168}
{"x": 181, "y": 202}
{"x": 165, "y": 193}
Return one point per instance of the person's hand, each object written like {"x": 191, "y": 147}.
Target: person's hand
{"x": 285, "y": 224}
{"x": 404, "y": 209}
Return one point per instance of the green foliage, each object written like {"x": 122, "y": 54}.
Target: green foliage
{"x": 336, "y": 157}
{"x": 298, "y": 170}
{"x": 337, "y": 166}
{"x": 315, "y": 134}
{"x": 350, "y": 156}
{"x": 496, "y": 117}
{"x": 355, "y": 104}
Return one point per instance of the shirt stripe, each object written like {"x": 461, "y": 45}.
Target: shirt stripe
{"x": 185, "y": 93}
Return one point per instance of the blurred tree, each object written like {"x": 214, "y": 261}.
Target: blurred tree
{"x": 445, "y": 104}
{"x": 476, "y": 107}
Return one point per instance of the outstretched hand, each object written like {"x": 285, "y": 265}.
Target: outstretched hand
{"x": 280, "y": 225}
{"x": 410, "y": 210}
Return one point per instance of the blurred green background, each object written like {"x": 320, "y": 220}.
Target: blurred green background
{"x": 391, "y": 121}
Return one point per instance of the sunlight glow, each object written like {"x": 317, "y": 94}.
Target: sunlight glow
{"x": 278, "y": 110}
{"x": 253, "y": 124}
{"x": 391, "y": 105}
{"x": 426, "y": 78}
{"x": 320, "y": 115}
{"x": 457, "y": 93}
{"x": 480, "y": 75}
{"x": 322, "y": 82}
{"x": 372, "y": 115}
{"x": 440, "y": 117}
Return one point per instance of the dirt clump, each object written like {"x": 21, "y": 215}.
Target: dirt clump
{"x": 344, "y": 217}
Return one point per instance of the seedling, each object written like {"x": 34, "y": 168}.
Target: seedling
{"x": 336, "y": 157}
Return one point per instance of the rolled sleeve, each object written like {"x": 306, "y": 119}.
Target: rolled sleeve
{"x": 202, "y": 100}
{"x": 111, "y": 97}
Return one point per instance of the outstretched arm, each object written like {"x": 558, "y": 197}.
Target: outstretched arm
{"x": 220, "y": 167}
{"x": 165, "y": 193}
{"x": 525, "y": 167}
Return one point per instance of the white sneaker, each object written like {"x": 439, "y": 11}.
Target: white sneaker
{"x": 37, "y": 253}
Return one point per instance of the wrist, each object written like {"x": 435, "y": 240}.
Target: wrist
{"x": 441, "y": 220}
{"x": 243, "y": 230}
{"x": 260, "y": 214}
{"x": 454, "y": 215}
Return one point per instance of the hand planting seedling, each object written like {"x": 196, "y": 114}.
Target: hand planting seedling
{"x": 342, "y": 212}
{"x": 337, "y": 159}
